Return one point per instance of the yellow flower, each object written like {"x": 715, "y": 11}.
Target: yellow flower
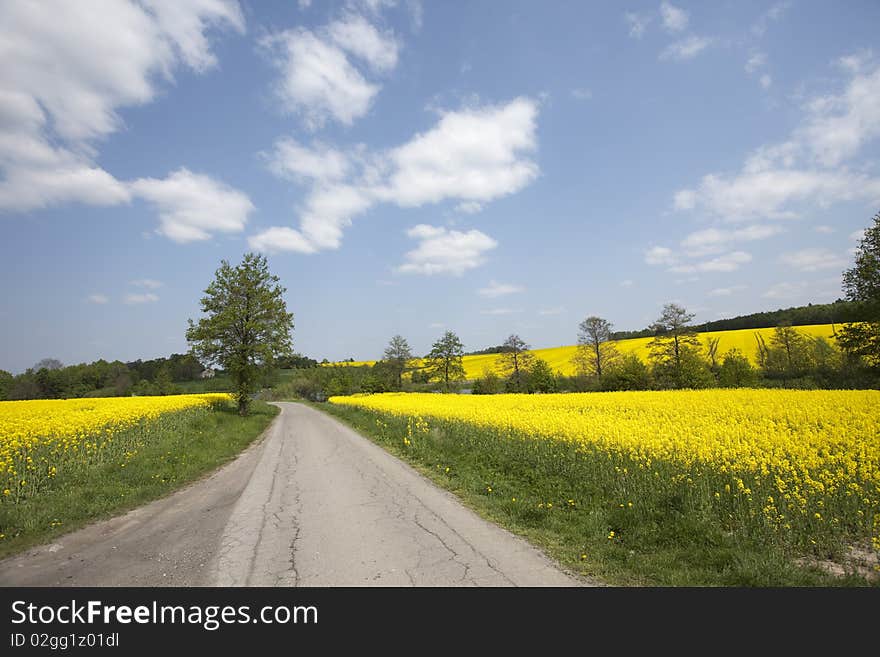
{"x": 39, "y": 437}
{"x": 777, "y": 456}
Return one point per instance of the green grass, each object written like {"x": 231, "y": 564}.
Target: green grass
{"x": 219, "y": 383}
{"x": 566, "y": 503}
{"x": 170, "y": 452}
{"x": 223, "y": 383}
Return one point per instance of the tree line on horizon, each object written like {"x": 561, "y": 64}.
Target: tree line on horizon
{"x": 246, "y": 330}
{"x": 50, "y": 379}
{"x": 677, "y": 358}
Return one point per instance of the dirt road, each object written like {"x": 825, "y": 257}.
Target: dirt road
{"x": 313, "y": 504}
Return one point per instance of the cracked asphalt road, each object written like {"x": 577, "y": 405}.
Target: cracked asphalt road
{"x": 313, "y": 504}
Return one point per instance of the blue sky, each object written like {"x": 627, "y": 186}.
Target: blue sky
{"x": 410, "y": 167}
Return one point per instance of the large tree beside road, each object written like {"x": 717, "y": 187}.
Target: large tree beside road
{"x": 245, "y": 327}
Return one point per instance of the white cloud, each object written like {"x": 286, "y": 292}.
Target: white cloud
{"x": 68, "y": 179}
{"x": 317, "y": 80}
{"x": 134, "y": 299}
{"x": 715, "y": 240}
{"x": 304, "y": 4}
{"x": 289, "y": 159}
{"x": 469, "y": 207}
{"x": 786, "y": 290}
{"x": 436, "y": 325}
{"x": 444, "y": 251}
{"x": 857, "y": 235}
{"x": 328, "y": 210}
{"x": 756, "y": 61}
{"x": 416, "y": 13}
{"x": 724, "y": 263}
{"x": 824, "y": 230}
{"x": 659, "y": 255}
{"x": 581, "y": 94}
{"x": 674, "y": 18}
{"x": 814, "y": 259}
{"x": 194, "y": 206}
{"x": 496, "y": 289}
{"x": 685, "y": 199}
{"x": 148, "y": 283}
{"x": 626, "y": 283}
{"x": 98, "y": 299}
{"x": 357, "y": 36}
{"x": 638, "y": 23}
{"x": 501, "y": 311}
{"x": 57, "y": 96}
{"x": 556, "y": 310}
{"x": 185, "y": 24}
{"x": 773, "y": 14}
{"x": 857, "y": 62}
{"x": 280, "y": 238}
{"x": 838, "y": 126}
{"x": 686, "y": 48}
{"x": 726, "y": 291}
{"x": 771, "y": 193}
{"x": 472, "y": 156}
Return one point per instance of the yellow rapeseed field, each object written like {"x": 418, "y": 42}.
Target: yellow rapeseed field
{"x": 39, "y": 438}
{"x": 786, "y": 458}
{"x": 560, "y": 358}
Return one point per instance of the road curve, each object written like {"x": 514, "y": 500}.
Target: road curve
{"x": 314, "y": 504}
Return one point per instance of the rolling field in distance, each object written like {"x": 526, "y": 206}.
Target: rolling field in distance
{"x": 560, "y": 358}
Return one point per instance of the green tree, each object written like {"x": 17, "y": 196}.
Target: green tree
{"x": 594, "y": 348}
{"x": 691, "y": 370}
{"x": 736, "y": 371}
{"x": 712, "y": 353}
{"x": 489, "y": 384}
{"x": 382, "y": 377}
{"x": 397, "y": 356}
{"x": 675, "y": 350}
{"x": 6, "y": 380}
{"x": 245, "y": 326}
{"x": 628, "y": 372}
{"x": 788, "y": 354}
{"x": 444, "y": 362}
{"x": 163, "y": 382}
{"x": 861, "y": 284}
{"x": 48, "y": 364}
{"x": 673, "y": 334}
{"x": 541, "y": 377}
{"x": 516, "y": 361}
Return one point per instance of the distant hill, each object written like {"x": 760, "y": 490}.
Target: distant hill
{"x": 809, "y": 315}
